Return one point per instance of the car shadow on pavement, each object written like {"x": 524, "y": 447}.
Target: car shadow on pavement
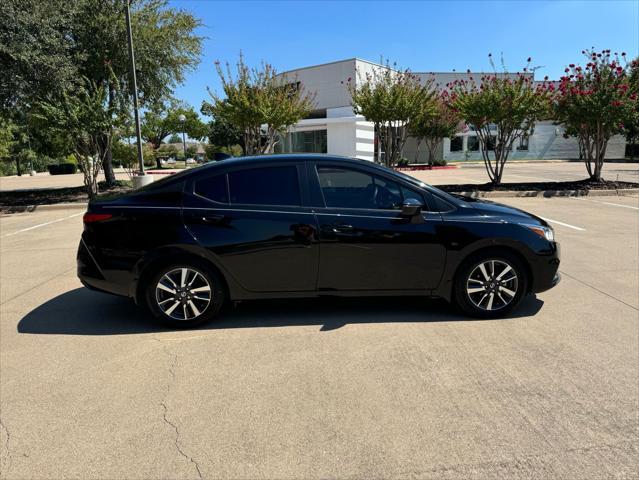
{"x": 84, "y": 312}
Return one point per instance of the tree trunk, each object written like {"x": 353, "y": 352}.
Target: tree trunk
{"x": 107, "y": 165}
{"x": 18, "y": 166}
{"x": 419, "y": 142}
{"x": 107, "y": 154}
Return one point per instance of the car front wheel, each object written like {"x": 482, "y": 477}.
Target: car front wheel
{"x": 185, "y": 295}
{"x": 490, "y": 286}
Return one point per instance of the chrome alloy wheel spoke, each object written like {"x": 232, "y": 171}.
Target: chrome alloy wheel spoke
{"x": 492, "y": 285}
{"x": 190, "y": 296}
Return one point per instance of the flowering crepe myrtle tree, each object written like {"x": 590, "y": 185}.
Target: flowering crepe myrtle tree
{"x": 631, "y": 120}
{"x": 258, "y": 98}
{"x": 592, "y": 103}
{"x": 391, "y": 100}
{"x": 501, "y": 108}
{"x": 432, "y": 126}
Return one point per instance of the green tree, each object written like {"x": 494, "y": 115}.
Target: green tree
{"x": 191, "y": 151}
{"x": 501, "y": 108}
{"x": 37, "y": 56}
{"x": 163, "y": 120}
{"x": 175, "y": 138}
{"x": 592, "y": 103}
{"x": 432, "y": 126}
{"x": 221, "y": 133}
{"x": 85, "y": 115}
{"x": 165, "y": 44}
{"x": 391, "y": 99}
{"x": 47, "y": 45}
{"x": 257, "y": 97}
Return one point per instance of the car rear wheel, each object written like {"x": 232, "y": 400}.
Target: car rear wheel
{"x": 185, "y": 295}
{"x": 490, "y": 285}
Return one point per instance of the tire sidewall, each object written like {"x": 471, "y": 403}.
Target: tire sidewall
{"x": 461, "y": 297}
{"x": 214, "y": 307}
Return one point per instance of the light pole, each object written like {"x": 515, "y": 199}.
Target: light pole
{"x": 182, "y": 119}
{"x": 142, "y": 179}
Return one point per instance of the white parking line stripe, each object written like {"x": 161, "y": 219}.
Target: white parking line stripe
{"x": 606, "y": 203}
{"x": 564, "y": 224}
{"x": 43, "y": 224}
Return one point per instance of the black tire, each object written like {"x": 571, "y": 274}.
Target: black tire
{"x": 192, "y": 301}
{"x": 470, "y": 277}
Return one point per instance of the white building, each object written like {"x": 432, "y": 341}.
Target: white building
{"x": 333, "y": 128}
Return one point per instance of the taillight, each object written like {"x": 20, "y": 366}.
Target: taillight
{"x": 96, "y": 217}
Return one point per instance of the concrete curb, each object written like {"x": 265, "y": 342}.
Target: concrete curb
{"x": 549, "y": 193}
{"x": 49, "y": 207}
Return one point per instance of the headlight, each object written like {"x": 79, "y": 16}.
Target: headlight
{"x": 542, "y": 231}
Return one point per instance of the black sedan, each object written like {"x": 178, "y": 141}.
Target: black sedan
{"x": 309, "y": 225}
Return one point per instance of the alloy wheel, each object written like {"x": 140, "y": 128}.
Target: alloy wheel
{"x": 183, "y": 293}
{"x": 492, "y": 285}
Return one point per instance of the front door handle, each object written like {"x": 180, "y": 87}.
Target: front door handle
{"x": 341, "y": 228}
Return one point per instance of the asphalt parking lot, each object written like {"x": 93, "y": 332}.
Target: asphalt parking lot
{"x": 393, "y": 388}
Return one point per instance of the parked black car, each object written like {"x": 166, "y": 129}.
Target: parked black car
{"x": 304, "y": 226}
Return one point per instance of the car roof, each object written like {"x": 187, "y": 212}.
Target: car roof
{"x": 289, "y": 157}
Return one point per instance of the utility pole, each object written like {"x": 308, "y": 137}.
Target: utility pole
{"x": 142, "y": 179}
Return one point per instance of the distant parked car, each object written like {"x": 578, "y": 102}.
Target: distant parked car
{"x": 217, "y": 156}
{"x": 170, "y": 161}
{"x": 292, "y": 226}
{"x": 190, "y": 161}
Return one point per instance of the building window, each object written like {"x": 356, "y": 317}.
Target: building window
{"x": 313, "y": 141}
{"x": 456, "y": 144}
{"x": 523, "y": 143}
{"x": 473, "y": 144}
{"x": 490, "y": 143}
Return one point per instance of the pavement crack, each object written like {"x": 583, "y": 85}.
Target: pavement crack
{"x": 165, "y": 415}
{"x": 599, "y": 290}
{"x": 4, "y": 428}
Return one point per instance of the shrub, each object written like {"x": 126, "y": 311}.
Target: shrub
{"x": 63, "y": 169}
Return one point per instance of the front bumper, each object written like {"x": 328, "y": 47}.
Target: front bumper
{"x": 545, "y": 270}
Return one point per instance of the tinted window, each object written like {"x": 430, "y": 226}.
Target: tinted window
{"x": 265, "y": 186}
{"x": 456, "y": 144}
{"x": 213, "y": 188}
{"x": 346, "y": 188}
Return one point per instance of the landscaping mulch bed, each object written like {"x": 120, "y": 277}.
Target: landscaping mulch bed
{"x": 17, "y": 200}
{"x": 580, "y": 185}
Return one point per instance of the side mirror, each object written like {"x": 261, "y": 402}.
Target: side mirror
{"x": 411, "y": 207}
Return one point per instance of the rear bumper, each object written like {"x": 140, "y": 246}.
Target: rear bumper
{"x": 91, "y": 275}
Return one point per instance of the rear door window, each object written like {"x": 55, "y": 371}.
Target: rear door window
{"x": 278, "y": 185}
{"x": 214, "y": 188}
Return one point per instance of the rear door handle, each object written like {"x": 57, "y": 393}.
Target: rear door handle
{"x": 213, "y": 218}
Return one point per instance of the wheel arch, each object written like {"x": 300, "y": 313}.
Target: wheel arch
{"x": 167, "y": 255}
{"x": 458, "y": 259}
